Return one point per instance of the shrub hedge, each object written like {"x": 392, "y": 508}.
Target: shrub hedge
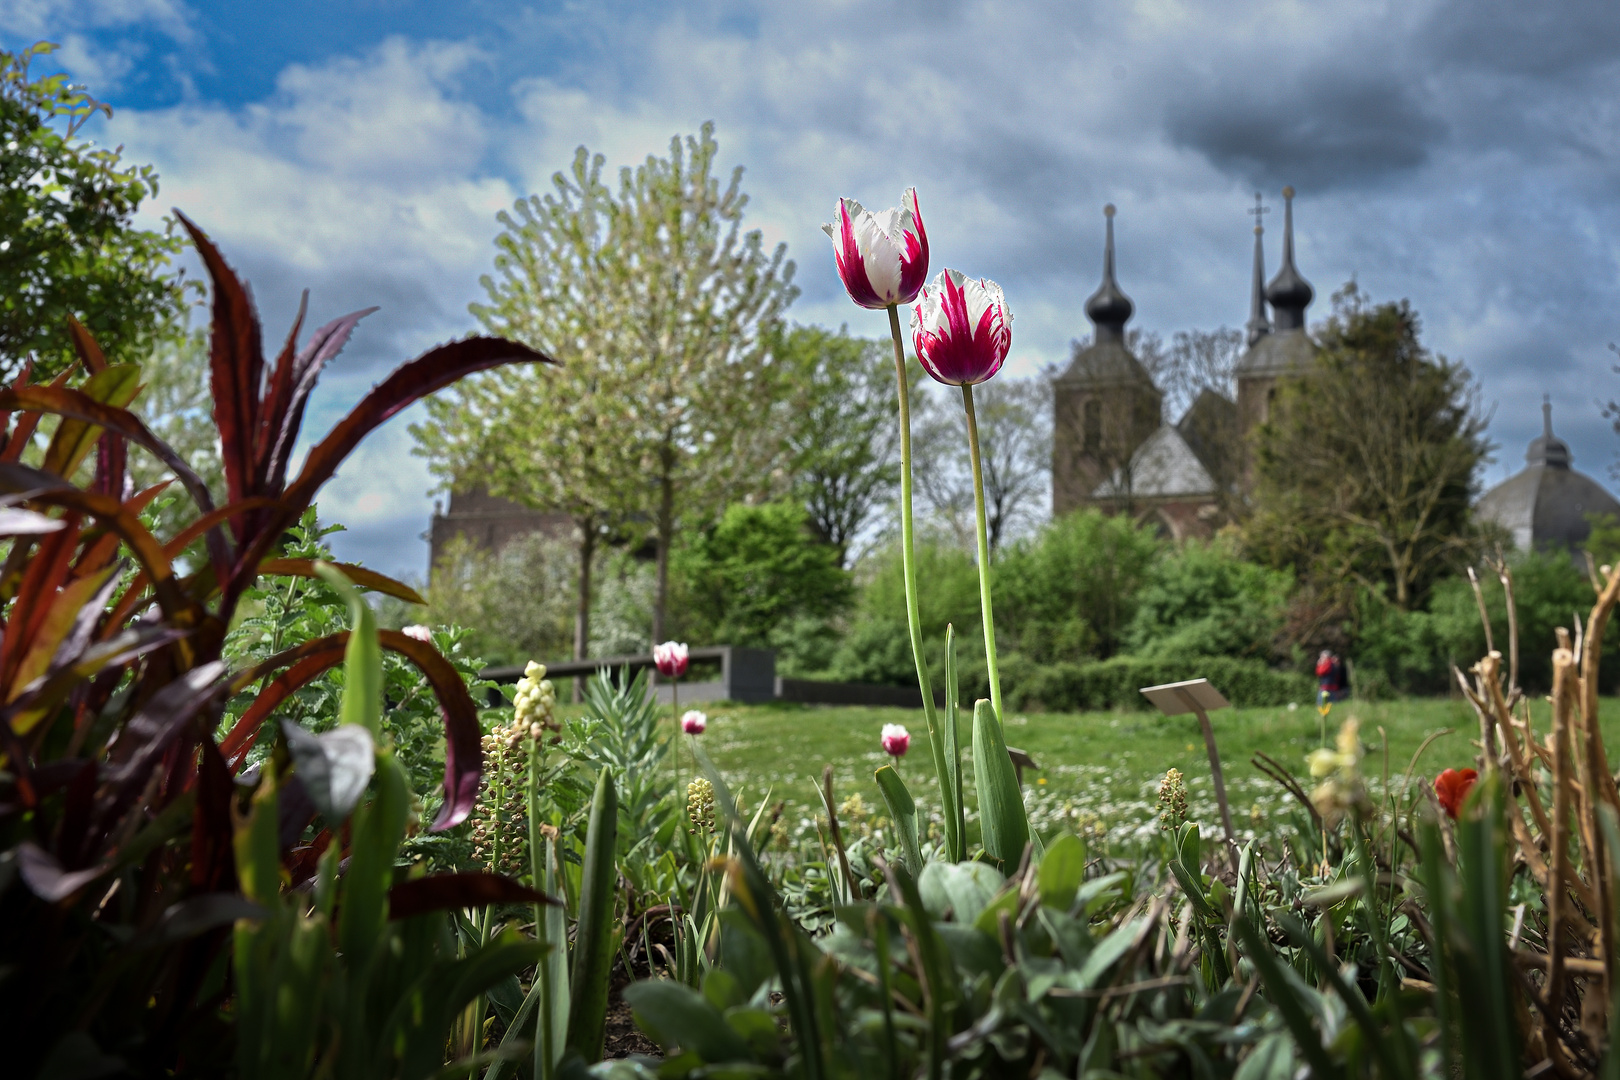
{"x": 1117, "y": 682}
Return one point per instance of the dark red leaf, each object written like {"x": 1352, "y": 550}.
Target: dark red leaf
{"x": 43, "y": 874}
{"x": 236, "y": 362}
{"x": 115, "y": 516}
{"x": 277, "y": 394}
{"x": 61, "y": 401}
{"x": 319, "y": 656}
{"x": 323, "y": 345}
{"x": 441, "y": 892}
{"x": 366, "y": 579}
{"x": 143, "y": 742}
{"x": 213, "y": 858}
{"x": 427, "y": 374}
{"x": 85, "y": 345}
{"x": 463, "y": 739}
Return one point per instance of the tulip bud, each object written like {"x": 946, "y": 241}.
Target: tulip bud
{"x": 671, "y": 658}
{"x": 896, "y": 740}
{"x": 961, "y": 328}
{"x": 694, "y": 722}
{"x": 882, "y": 257}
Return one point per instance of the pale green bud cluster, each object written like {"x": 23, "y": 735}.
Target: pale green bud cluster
{"x": 1172, "y": 801}
{"x": 535, "y": 706}
{"x": 700, "y": 805}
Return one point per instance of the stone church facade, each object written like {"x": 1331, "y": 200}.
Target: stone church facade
{"x": 1112, "y": 447}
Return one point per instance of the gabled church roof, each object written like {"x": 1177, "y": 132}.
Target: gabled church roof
{"x": 1163, "y": 467}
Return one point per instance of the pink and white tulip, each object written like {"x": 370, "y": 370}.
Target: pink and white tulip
{"x": 671, "y": 659}
{"x": 882, "y": 257}
{"x": 961, "y": 328}
{"x": 419, "y": 632}
{"x": 896, "y": 740}
{"x": 694, "y": 722}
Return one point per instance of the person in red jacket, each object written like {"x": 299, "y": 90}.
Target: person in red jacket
{"x": 1331, "y": 683}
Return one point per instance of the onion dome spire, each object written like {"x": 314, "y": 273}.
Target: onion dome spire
{"x": 1549, "y": 450}
{"x": 1290, "y": 294}
{"x": 1258, "y": 325}
{"x": 1109, "y": 308}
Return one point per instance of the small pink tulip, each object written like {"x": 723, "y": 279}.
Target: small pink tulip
{"x": 694, "y": 722}
{"x": 420, "y": 633}
{"x": 961, "y": 328}
{"x": 671, "y": 659}
{"x": 896, "y": 740}
{"x": 882, "y": 257}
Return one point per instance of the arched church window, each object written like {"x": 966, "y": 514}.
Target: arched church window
{"x": 1092, "y": 421}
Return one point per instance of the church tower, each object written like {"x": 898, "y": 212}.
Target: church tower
{"x": 1105, "y": 404}
{"x": 1280, "y": 348}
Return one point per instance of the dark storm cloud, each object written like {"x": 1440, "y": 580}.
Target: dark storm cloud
{"x": 1320, "y": 130}
{"x": 1546, "y": 41}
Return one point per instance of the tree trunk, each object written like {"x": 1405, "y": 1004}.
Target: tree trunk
{"x": 666, "y": 530}
{"x": 582, "y": 614}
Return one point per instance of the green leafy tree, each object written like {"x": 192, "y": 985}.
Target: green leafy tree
{"x": 659, "y": 307}
{"x": 843, "y": 445}
{"x": 1205, "y": 599}
{"x": 1366, "y": 469}
{"x": 1070, "y": 591}
{"x": 68, "y": 245}
{"x": 757, "y": 568}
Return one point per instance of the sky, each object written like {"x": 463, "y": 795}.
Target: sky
{"x": 1461, "y": 154}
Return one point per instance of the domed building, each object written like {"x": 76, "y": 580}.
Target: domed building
{"x": 1547, "y": 505}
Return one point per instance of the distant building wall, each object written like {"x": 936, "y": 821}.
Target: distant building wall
{"x": 490, "y": 523}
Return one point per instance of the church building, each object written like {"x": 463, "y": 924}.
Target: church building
{"x": 1547, "y": 505}
{"x": 1112, "y": 447}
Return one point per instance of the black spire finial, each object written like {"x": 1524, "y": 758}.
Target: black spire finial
{"x": 1290, "y": 294}
{"x": 1258, "y": 325}
{"x": 1109, "y": 308}
{"x": 1549, "y": 450}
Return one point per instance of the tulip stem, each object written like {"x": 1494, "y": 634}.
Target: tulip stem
{"x": 908, "y": 558}
{"x": 984, "y": 553}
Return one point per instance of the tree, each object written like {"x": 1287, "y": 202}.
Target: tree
{"x": 69, "y": 248}
{"x": 660, "y": 309}
{"x": 843, "y": 441}
{"x": 757, "y": 568}
{"x": 697, "y": 300}
{"x": 1015, "y": 444}
{"x": 1365, "y": 471}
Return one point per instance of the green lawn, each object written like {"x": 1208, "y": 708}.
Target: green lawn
{"x": 1099, "y": 771}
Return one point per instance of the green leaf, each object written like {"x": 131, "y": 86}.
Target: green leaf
{"x": 965, "y": 888}
{"x": 362, "y": 657}
{"x": 678, "y": 1016}
{"x": 1004, "y": 824}
{"x": 334, "y": 767}
{"x": 903, "y": 809}
{"x": 593, "y": 941}
{"x": 1062, "y": 869}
